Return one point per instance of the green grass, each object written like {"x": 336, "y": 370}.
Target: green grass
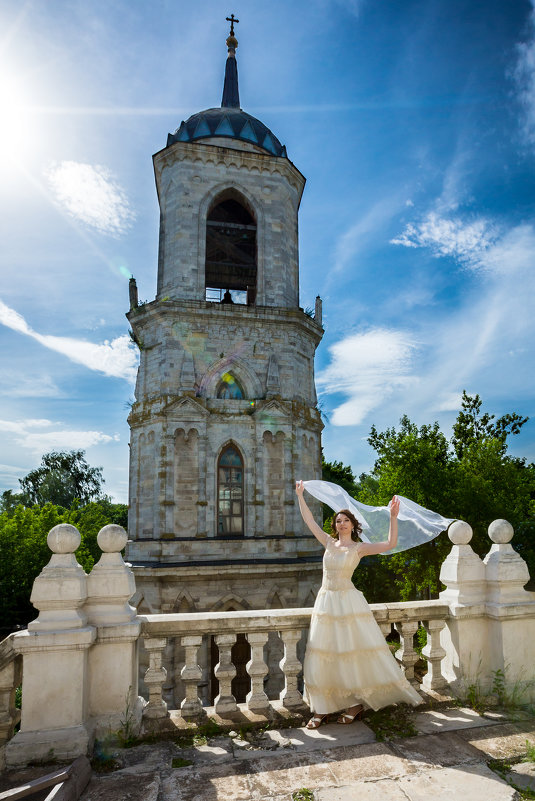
{"x": 304, "y": 794}
{"x": 503, "y": 767}
{"x": 392, "y": 722}
{"x": 530, "y": 752}
{"x": 178, "y": 762}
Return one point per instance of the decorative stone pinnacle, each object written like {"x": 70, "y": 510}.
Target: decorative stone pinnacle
{"x": 501, "y": 532}
{"x": 112, "y": 538}
{"x": 460, "y": 533}
{"x": 63, "y": 538}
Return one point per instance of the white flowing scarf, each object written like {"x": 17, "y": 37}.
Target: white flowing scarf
{"x": 416, "y": 525}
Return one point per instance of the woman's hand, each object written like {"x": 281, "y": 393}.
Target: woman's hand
{"x": 299, "y": 488}
{"x": 394, "y": 506}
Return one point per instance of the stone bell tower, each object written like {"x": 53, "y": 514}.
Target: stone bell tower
{"x": 225, "y": 417}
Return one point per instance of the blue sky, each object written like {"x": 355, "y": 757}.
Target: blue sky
{"x": 414, "y": 124}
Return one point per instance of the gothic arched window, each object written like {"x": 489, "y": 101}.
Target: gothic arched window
{"x": 230, "y": 492}
{"x": 229, "y": 387}
{"x": 230, "y": 253}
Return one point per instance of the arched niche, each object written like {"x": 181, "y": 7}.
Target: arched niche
{"x": 236, "y": 367}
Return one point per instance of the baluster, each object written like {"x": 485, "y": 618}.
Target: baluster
{"x": 191, "y": 675}
{"x": 155, "y": 677}
{"x": 434, "y": 653}
{"x": 168, "y": 661}
{"x": 386, "y": 628}
{"x": 257, "y": 700}
{"x": 406, "y": 653}
{"x": 10, "y": 679}
{"x": 290, "y": 666}
{"x": 224, "y": 672}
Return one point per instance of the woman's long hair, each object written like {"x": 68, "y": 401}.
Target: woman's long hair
{"x": 357, "y": 528}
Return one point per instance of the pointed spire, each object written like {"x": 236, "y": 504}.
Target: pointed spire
{"x": 231, "y": 95}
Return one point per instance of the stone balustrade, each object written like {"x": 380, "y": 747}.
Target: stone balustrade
{"x": 256, "y": 625}
{"x": 78, "y": 660}
{"x": 10, "y": 679}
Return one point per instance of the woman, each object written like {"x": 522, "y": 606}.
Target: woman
{"x": 348, "y": 664}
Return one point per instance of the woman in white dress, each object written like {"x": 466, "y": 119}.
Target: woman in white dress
{"x": 348, "y": 665}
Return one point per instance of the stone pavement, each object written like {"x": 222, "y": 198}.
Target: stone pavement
{"x": 448, "y": 757}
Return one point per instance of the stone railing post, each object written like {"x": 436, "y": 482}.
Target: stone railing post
{"x": 191, "y": 675}
{"x": 406, "y": 653}
{"x": 10, "y": 679}
{"x": 114, "y": 703}
{"x": 511, "y": 615}
{"x": 291, "y": 666}
{"x": 55, "y": 647}
{"x": 257, "y": 700}
{"x": 154, "y": 678}
{"x": 434, "y": 653}
{"x": 465, "y": 636}
{"x": 224, "y": 672}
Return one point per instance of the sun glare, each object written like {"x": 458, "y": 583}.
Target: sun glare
{"x": 15, "y": 127}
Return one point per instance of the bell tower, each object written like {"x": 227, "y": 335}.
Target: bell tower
{"x": 225, "y": 417}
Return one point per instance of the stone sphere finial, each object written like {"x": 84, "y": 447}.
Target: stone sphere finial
{"x": 63, "y": 538}
{"x": 501, "y": 531}
{"x": 112, "y": 538}
{"x": 460, "y": 533}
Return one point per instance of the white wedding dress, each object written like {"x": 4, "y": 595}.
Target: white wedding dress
{"x": 347, "y": 660}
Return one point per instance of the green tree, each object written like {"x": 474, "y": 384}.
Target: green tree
{"x": 62, "y": 478}
{"x": 471, "y": 426}
{"x": 470, "y": 478}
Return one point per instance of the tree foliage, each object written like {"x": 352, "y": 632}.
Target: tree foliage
{"x": 62, "y": 478}
{"x": 470, "y": 478}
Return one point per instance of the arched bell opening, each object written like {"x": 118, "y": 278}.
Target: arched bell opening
{"x": 231, "y": 252}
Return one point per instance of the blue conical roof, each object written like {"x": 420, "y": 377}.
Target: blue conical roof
{"x": 229, "y": 121}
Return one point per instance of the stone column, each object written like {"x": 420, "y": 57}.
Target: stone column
{"x": 114, "y": 703}
{"x": 55, "y": 716}
{"x": 169, "y": 485}
{"x": 465, "y": 636}
{"x": 511, "y": 617}
{"x": 202, "y": 524}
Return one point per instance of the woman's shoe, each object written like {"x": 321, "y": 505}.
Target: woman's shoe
{"x": 316, "y": 721}
{"x": 348, "y": 717}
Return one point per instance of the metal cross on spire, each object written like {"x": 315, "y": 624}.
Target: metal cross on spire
{"x": 232, "y": 19}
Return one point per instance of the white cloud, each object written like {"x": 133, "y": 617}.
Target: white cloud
{"x": 367, "y": 367}
{"x": 477, "y": 244}
{"x": 117, "y": 358}
{"x": 524, "y": 74}
{"x": 41, "y": 436}
{"x": 363, "y": 230}
{"x": 512, "y": 254}
{"x": 450, "y": 403}
{"x": 15, "y": 385}
{"x": 463, "y": 241}
{"x": 92, "y": 195}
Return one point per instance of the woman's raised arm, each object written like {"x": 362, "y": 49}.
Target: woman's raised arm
{"x": 306, "y": 514}
{"x": 369, "y": 548}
